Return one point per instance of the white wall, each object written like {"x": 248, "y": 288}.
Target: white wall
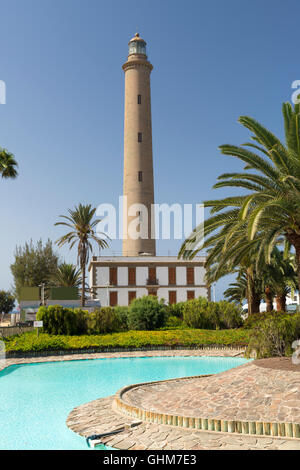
{"x": 141, "y": 276}
{"x": 162, "y": 275}
{"x": 123, "y": 276}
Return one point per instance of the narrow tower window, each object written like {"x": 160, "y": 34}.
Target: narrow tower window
{"x": 139, "y": 137}
{"x": 140, "y": 176}
{"x": 139, "y": 99}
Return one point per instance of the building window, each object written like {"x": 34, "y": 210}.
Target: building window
{"x": 131, "y": 276}
{"x": 190, "y": 294}
{"x": 190, "y": 276}
{"x": 172, "y": 276}
{"x": 140, "y": 137}
{"x": 131, "y": 296}
{"x": 113, "y": 276}
{"x": 140, "y": 176}
{"x": 113, "y": 298}
{"x": 172, "y": 297}
{"x": 139, "y": 99}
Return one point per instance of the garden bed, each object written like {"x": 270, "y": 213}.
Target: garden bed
{"x": 30, "y": 344}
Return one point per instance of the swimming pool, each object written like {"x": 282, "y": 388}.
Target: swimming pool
{"x": 35, "y": 399}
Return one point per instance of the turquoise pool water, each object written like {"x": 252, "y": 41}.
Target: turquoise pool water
{"x": 35, "y": 399}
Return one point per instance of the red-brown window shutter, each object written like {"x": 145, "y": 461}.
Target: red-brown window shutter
{"x": 190, "y": 276}
{"x": 172, "y": 276}
{"x": 131, "y": 277}
{"x": 131, "y": 296}
{"x": 172, "y": 297}
{"x": 113, "y": 276}
{"x": 190, "y": 294}
{"x": 113, "y": 298}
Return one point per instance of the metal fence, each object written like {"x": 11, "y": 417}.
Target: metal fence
{"x": 6, "y": 331}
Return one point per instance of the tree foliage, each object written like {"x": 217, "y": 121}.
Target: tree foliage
{"x": 82, "y": 224}
{"x": 7, "y": 301}
{"x": 34, "y": 264}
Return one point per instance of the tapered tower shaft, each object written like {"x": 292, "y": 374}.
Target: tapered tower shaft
{"x": 138, "y": 160}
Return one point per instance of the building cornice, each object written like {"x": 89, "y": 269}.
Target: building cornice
{"x": 133, "y": 64}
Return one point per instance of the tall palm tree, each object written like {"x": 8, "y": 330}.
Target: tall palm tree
{"x": 80, "y": 220}
{"x": 66, "y": 275}
{"x": 271, "y": 209}
{"x": 8, "y": 164}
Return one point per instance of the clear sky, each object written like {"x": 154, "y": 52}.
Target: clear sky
{"x": 61, "y": 61}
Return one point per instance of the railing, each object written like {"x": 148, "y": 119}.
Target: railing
{"x": 7, "y": 331}
{"x": 152, "y": 282}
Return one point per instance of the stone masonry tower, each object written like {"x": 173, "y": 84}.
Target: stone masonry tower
{"x": 138, "y": 161}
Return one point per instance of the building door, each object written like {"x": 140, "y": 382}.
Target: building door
{"x": 172, "y": 276}
{"x": 113, "y": 298}
{"x": 190, "y": 294}
{"x": 131, "y": 296}
{"x": 190, "y": 276}
{"x": 131, "y": 277}
{"x": 172, "y": 297}
{"x": 152, "y": 292}
{"x": 152, "y": 276}
{"x": 113, "y": 276}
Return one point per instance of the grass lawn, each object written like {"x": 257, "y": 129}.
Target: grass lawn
{"x": 129, "y": 339}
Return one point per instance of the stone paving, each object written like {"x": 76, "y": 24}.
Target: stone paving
{"x": 99, "y": 417}
{"x": 246, "y": 393}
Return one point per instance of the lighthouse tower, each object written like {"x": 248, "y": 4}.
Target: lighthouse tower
{"x": 138, "y": 161}
{"x": 118, "y": 280}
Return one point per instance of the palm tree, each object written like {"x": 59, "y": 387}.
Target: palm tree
{"x": 282, "y": 276}
{"x": 8, "y": 165}
{"x": 271, "y": 209}
{"x": 80, "y": 220}
{"x": 66, "y": 275}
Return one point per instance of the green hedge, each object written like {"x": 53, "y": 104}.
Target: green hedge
{"x": 127, "y": 340}
{"x": 200, "y": 313}
{"x": 273, "y": 334}
{"x": 145, "y": 313}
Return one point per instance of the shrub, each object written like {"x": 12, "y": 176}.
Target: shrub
{"x": 253, "y": 320}
{"x": 146, "y": 313}
{"x": 174, "y": 322}
{"x": 230, "y": 315}
{"x": 201, "y": 313}
{"x": 274, "y": 335}
{"x": 104, "y": 320}
{"x": 58, "y": 320}
{"x": 175, "y": 310}
{"x": 122, "y": 315}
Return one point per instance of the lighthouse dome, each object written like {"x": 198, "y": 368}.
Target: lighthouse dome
{"x": 137, "y": 45}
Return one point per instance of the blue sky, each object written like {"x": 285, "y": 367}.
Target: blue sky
{"x": 61, "y": 62}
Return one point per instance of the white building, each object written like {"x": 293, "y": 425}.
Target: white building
{"x": 119, "y": 280}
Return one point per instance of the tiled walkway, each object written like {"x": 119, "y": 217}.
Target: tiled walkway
{"x": 98, "y": 417}
{"x": 246, "y": 393}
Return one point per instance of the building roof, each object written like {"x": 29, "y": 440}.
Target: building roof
{"x": 145, "y": 260}
{"x": 137, "y": 38}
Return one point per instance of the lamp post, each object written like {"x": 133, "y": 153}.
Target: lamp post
{"x": 42, "y": 286}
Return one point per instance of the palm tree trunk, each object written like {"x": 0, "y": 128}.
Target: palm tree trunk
{"x": 294, "y": 239}
{"x": 83, "y": 287}
{"x": 253, "y": 297}
{"x": 281, "y": 303}
{"x": 269, "y": 298}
